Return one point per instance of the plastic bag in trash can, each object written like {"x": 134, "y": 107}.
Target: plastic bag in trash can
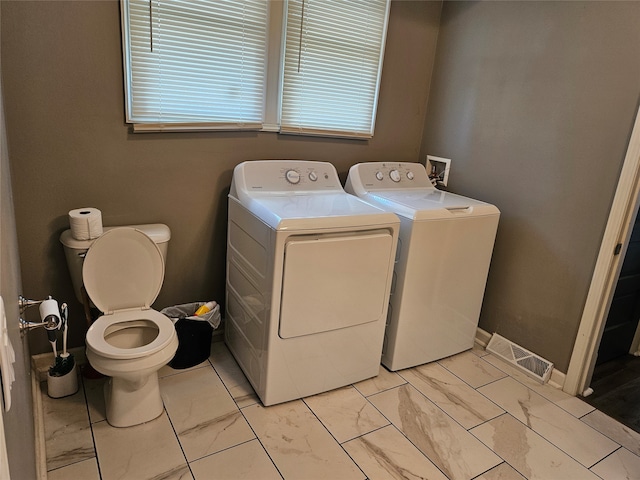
{"x": 194, "y": 333}
{"x": 186, "y": 310}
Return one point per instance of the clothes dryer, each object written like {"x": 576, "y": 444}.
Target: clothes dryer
{"x": 444, "y": 251}
{"x": 309, "y": 271}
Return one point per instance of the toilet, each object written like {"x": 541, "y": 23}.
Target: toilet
{"x": 123, "y": 271}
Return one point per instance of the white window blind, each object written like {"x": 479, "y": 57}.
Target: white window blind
{"x": 332, "y": 66}
{"x": 195, "y": 64}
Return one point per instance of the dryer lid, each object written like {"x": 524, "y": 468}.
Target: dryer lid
{"x": 123, "y": 269}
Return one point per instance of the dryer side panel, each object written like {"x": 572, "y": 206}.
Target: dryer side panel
{"x": 248, "y": 292}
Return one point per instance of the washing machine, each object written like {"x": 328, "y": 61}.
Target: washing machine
{"x": 444, "y": 251}
{"x": 309, "y": 270}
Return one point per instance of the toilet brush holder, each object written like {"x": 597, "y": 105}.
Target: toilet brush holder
{"x": 59, "y": 386}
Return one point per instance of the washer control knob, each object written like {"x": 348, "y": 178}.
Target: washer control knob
{"x": 410, "y": 175}
{"x": 313, "y": 176}
{"x": 394, "y": 175}
{"x": 379, "y": 176}
{"x": 292, "y": 177}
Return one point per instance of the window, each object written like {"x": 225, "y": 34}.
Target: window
{"x": 332, "y": 66}
{"x": 299, "y": 66}
{"x": 190, "y": 63}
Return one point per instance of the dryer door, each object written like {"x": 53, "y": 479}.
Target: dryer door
{"x": 332, "y": 282}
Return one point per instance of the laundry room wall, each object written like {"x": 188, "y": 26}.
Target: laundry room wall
{"x": 534, "y": 102}
{"x": 70, "y": 147}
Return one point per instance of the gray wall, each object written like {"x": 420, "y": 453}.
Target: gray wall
{"x": 69, "y": 146}
{"x": 534, "y": 102}
{"x": 18, "y": 421}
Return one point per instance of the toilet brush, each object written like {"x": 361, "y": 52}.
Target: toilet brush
{"x": 64, "y": 362}
{"x": 51, "y": 335}
{"x": 62, "y": 379}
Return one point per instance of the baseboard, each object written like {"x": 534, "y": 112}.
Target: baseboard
{"x": 557, "y": 378}
{"x": 38, "y": 426}
{"x": 482, "y": 337}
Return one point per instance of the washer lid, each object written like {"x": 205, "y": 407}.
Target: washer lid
{"x": 429, "y": 204}
{"x": 122, "y": 270}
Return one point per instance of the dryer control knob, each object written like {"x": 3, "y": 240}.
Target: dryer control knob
{"x": 313, "y": 176}
{"x": 379, "y": 176}
{"x": 394, "y": 175}
{"x": 292, "y": 177}
{"x": 410, "y": 175}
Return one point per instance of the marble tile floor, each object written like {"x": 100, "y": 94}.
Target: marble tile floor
{"x": 470, "y": 416}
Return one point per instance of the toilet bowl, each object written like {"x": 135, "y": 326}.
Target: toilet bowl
{"x": 123, "y": 272}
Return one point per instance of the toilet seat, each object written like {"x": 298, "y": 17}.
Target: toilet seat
{"x": 96, "y": 334}
{"x": 123, "y": 272}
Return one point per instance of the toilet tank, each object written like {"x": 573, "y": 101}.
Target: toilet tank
{"x": 75, "y": 250}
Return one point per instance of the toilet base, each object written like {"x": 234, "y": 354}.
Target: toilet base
{"x": 130, "y": 403}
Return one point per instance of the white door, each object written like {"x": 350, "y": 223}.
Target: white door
{"x": 332, "y": 282}
{"x": 18, "y": 421}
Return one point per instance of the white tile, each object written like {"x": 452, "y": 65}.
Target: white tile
{"x": 472, "y": 369}
{"x": 556, "y": 425}
{"x": 615, "y": 430}
{"x": 386, "y": 454}
{"x": 459, "y": 400}
{"x": 298, "y": 444}
{"x": 150, "y": 450}
{"x": 94, "y": 390}
{"x": 85, "y": 470}
{"x": 575, "y": 406}
{"x": 384, "y": 381}
{"x": 245, "y": 461}
{"x": 571, "y": 404}
{"x": 66, "y": 429}
{"x": 232, "y": 375}
{"x": 202, "y": 412}
{"x": 346, "y": 413}
{"x": 621, "y": 464}
{"x": 529, "y": 453}
{"x": 504, "y": 471}
{"x": 454, "y": 450}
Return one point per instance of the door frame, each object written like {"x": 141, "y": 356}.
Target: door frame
{"x": 607, "y": 270}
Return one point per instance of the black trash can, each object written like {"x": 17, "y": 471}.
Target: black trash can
{"x": 194, "y": 333}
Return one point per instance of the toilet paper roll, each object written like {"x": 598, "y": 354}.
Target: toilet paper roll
{"x": 85, "y": 223}
{"x": 48, "y": 308}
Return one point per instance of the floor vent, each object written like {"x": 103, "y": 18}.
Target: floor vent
{"x": 536, "y": 367}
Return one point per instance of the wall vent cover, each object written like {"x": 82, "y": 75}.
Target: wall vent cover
{"x": 533, "y": 365}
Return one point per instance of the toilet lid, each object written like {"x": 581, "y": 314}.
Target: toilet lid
{"x": 123, "y": 269}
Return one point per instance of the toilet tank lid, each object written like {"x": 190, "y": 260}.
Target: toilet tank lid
{"x": 158, "y": 232}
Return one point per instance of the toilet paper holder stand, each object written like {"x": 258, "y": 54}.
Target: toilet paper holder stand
{"x": 50, "y": 323}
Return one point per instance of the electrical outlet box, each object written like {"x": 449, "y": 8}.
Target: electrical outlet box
{"x": 438, "y": 169}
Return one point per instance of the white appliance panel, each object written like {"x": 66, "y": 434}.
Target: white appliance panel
{"x": 444, "y": 252}
{"x": 436, "y": 306}
{"x": 333, "y": 282}
{"x": 286, "y": 219}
